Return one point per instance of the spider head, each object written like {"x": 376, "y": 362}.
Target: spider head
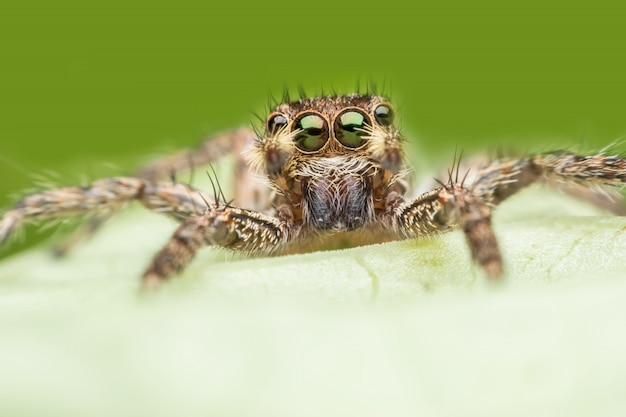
{"x": 331, "y": 157}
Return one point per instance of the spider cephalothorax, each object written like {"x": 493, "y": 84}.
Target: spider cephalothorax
{"x": 333, "y": 160}
{"x": 334, "y": 168}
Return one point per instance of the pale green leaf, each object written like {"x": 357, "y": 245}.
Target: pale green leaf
{"x": 397, "y": 329}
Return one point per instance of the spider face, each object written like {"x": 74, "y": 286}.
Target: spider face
{"x": 333, "y": 159}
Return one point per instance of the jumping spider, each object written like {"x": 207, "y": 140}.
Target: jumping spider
{"x": 335, "y": 171}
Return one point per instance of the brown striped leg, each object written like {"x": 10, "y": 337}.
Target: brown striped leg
{"x": 580, "y": 176}
{"x": 496, "y": 180}
{"x": 229, "y": 227}
{"x": 445, "y": 209}
{"x": 249, "y": 191}
{"x": 102, "y": 198}
{"x": 254, "y": 196}
{"x": 454, "y": 205}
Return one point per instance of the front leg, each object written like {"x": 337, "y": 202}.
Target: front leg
{"x": 447, "y": 208}
{"x": 247, "y": 191}
{"x": 229, "y": 227}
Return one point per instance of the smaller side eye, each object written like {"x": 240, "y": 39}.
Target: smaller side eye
{"x": 384, "y": 115}
{"x": 313, "y": 132}
{"x": 276, "y": 122}
{"x": 349, "y": 127}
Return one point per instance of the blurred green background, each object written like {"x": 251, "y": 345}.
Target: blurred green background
{"x": 92, "y": 89}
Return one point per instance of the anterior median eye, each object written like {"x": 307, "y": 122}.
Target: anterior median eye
{"x": 349, "y": 128}
{"x": 313, "y": 132}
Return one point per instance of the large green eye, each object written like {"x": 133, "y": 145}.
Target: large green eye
{"x": 349, "y": 128}
{"x": 313, "y": 132}
{"x": 384, "y": 115}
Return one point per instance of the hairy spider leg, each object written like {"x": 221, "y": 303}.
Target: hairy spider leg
{"x": 101, "y": 198}
{"x": 248, "y": 190}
